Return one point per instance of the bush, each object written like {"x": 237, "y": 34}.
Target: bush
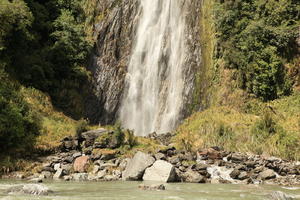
{"x": 19, "y": 125}
{"x": 258, "y": 38}
{"x": 81, "y": 126}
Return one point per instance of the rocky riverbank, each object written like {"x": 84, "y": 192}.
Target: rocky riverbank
{"x": 88, "y": 158}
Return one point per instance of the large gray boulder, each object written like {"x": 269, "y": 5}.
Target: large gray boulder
{"x": 33, "y": 189}
{"x": 136, "y": 167}
{"x": 161, "y": 171}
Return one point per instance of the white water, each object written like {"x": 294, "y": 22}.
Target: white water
{"x": 153, "y": 97}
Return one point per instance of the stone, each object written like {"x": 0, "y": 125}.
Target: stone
{"x": 243, "y": 176}
{"x": 110, "y": 177}
{"x": 137, "y": 166}
{"x": 101, "y": 174}
{"x": 46, "y": 174}
{"x": 76, "y": 155}
{"x": 67, "y": 168}
{"x": 69, "y": 159}
{"x": 58, "y": 174}
{"x": 191, "y": 176}
{"x": 200, "y": 167}
{"x": 67, "y": 178}
{"x": 237, "y": 158}
{"x": 160, "y": 156}
{"x": 32, "y": 189}
{"x": 81, "y": 164}
{"x": 36, "y": 180}
{"x": 278, "y": 195}
{"x": 235, "y": 174}
{"x": 93, "y": 134}
{"x": 161, "y": 171}
{"x": 124, "y": 163}
{"x": 152, "y": 187}
{"x": 96, "y": 169}
{"x": 56, "y": 166}
{"x": 48, "y": 169}
{"x": 267, "y": 174}
{"x": 80, "y": 176}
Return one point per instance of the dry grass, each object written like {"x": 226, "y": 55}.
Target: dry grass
{"x": 55, "y": 125}
{"x": 237, "y": 130}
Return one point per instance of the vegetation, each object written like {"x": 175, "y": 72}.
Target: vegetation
{"x": 258, "y": 39}
{"x": 267, "y": 128}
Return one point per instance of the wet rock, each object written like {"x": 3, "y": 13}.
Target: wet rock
{"x": 69, "y": 159}
{"x": 33, "y": 189}
{"x": 67, "y": 178}
{"x": 58, "y": 174}
{"x": 243, "y": 176}
{"x": 280, "y": 196}
{"x": 160, "y": 156}
{"x": 80, "y": 176}
{"x": 193, "y": 177}
{"x": 36, "y": 180}
{"x": 110, "y": 177}
{"x": 76, "y": 155}
{"x": 124, "y": 163}
{"x": 48, "y": 169}
{"x": 101, "y": 174}
{"x": 267, "y": 174}
{"x": 152, "y": 187}
{"x": 81, "y": 164}
{"x": 235, "y": 174}
{"x": 46, "y": 174}
{"x": 161, "y": 171}
{"x": 137, "y": 166}
{"x": 237, "y": 157}
{"x": 66, "y": 168}
{"x": 56, "y": 166}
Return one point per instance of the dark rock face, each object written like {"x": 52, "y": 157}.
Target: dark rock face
{"x": 111, "y": 55}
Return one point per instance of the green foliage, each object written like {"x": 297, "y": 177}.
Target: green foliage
{"x": 19, "y": 125}
{"x": 258, "y": 37}
{"x": 44, "y": 45}
{"x": 81, "y": 126}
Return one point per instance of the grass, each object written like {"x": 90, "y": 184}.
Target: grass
{"x": 262, "y": 128}
{"x": 55, "y": 125}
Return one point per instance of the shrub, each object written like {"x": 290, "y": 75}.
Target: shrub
{"x": 19, "y": 125}
{"x": 81, "y": 126}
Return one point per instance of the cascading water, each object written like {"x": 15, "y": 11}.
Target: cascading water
{"x": 154, "y": 82}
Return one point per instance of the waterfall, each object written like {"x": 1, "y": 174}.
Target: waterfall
{"x": 154, "y": 82}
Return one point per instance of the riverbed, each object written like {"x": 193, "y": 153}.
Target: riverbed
{"x": 130, "y": 191}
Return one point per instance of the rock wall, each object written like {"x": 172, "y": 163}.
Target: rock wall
{"x": 111, "y": 54}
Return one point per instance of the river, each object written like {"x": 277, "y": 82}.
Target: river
{"x": 130, "y": 191}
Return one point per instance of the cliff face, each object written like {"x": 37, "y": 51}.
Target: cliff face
{"x": 115, "y": 35}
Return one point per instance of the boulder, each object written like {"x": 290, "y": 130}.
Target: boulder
{"x": 58, "y": 174}
{"x": 81, "y": 164}
{"x": 235, "y": 174}
{"x": 80, "y": 176}
{"x": 267, "y": 174}
{"x": 191, "y": 176}
{"x": 136, "y": 167}
{"x": 46, "y": 174}
{"x": 33, "y": 189}
{"x": 161, "y": 171}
